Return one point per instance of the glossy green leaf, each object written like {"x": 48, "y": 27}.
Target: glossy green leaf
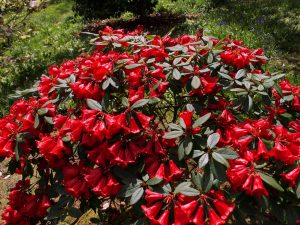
{"x": 196, "y": 82}
{"x": 140, "y": 103}
{"x": 227, "y": 153}
{"x": 213, "y": 140}
{"x": 201, "y": 120}
{"x": 271, "y": 181}
{"x": 219, "y": 158}
{"x": 176, "y": 74}
{"x": 92, "y": 104}
{"x": 137, "y": 195}
{"x": 173, "y": 134}
{"x": 154, "y": 181}
{"x": 203, "y": 160}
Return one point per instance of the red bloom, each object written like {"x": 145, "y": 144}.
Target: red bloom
{"x": 74, "y": 181}
{"x": 243, "y": 176}
{"x": 102, "y": 182}
{"x": 9, "y": 130}
{"x": 25, "y": 208}
{"x": 291, "y": 177}
{"x": 187, "y": 117}
{"x": 50, "y": 146}
{"x": 157, "y": 207}
{"x": 162, "y": 167}
{"x": 190, "y": 210}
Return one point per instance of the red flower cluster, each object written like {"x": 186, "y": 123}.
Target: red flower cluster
{"x": 24, "y": 208}
{"x": 187, "y": 210}
{"x": 186, "y": 129}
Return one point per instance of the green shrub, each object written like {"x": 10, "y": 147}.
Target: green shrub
{"x": 93, "y": 9}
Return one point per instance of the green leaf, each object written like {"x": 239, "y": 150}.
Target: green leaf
{"x": 238, "y": 90}
{"x": 288, "y": 98}
{"x": 125, "y": 102}
{"x": 176, "y": 74}
{"x": 189, "y": 191}
{"x": 241, "y": 73}
{"x": 205, "y": 70}
{"x": 53, "y": 213}
{"x": 132, "y": 66}
{"x": 207, "y": 180}
{"x": 17, "y": 151}
{"x": 218, "y": 170}
{"x": 188, "y": 146}
{"x": 298, "y": 189}
{"x": 136, "y": 196}
{"x": 189, "y": 67}
{"x": 262, "y": 57}
{"x": 92, "y": 104}
{"x": 36, "y": 121}
{"x": 49, "y": 120}
{"x": 197, "y": 180}
{"x": 174, "y": 126}
{"x": 177, "y": 60}
{"x": 154, "y": 100}
{"x": 228, "y": 153}
{"x": 278, "y": 89}
{"x": 226, "y": 76}
{"x": 181, "y": 152}
{"x": 142, "y": 221}
{"x": 129, "y": 188}
{"x": 181, "y": 186}
{"x": 197, "y": 153}
{"x": 248, "y": 103}
{"x": 42, "y": 111}
{"x": 276, "y": 77}
{"x": 182, "y": 123}
{"x": 139, "y": 103}
{"x": 196, "y": 82}
{"x": 219, "y": 158}
{"x": 271, "y": 181}
{"x": 203, "y": 160}
{"x": 73, "y": 212}
{"x": 210, "y": 58}
{"x": 105, "y": 84}
{"x": 190, "y": 107}
{"x": 154, "y": 181}
{"x": 175, "y": 48}
{"x": 173, "y": 134}
{"x": 213, "y": 140}
{"x": 201, "y": 120}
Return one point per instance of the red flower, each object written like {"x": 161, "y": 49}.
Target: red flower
{"x": 190, "y": 210}
{"x": 50, "y": 146}
{"x": 124, "y": 153}
{"x": 74, "y": 181}
{"x": 295, "y": 125}
{"x": 187, "y": 117}
{"x": 162, "y": 167}
{"x": 102, "y": 182}
{"x": 291, "y": 177}
{"x": 226, "y": 117}
{"x": 157, "y": 207}
{"x": 8, "y": 132}
{"x": 243, "y": 176}
{"x": 24, "y": 208}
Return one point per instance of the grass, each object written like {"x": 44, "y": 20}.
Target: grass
{"x": 270, "y": 24}
{"x": 53, "y": 38}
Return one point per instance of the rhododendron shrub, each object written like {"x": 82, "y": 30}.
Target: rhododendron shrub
{"x": 156, "y": 130}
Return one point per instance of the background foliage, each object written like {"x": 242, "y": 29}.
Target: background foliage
{"x": 94, "y": 9}
{"x": 275, "y": 26}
